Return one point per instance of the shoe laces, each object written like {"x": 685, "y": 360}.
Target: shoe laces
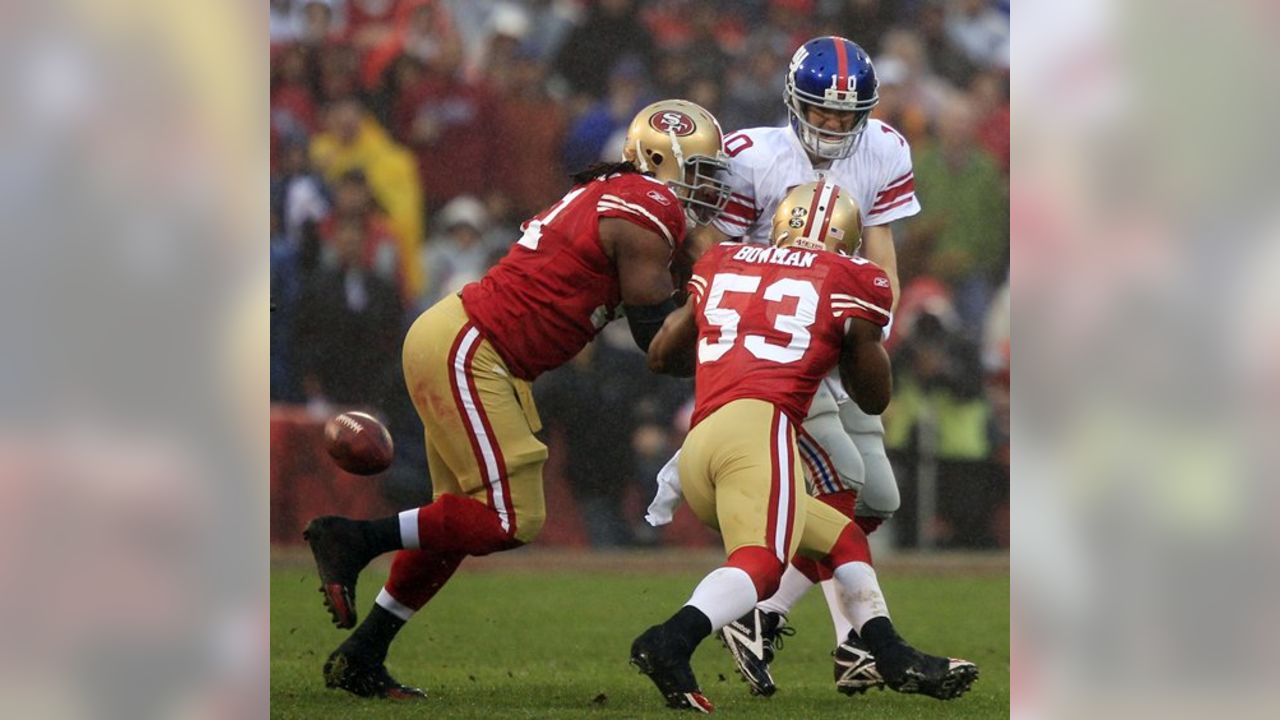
{"x": 775, "y": 639}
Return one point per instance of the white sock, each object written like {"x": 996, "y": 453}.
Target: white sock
{"x": 793, "y": 587}
{"x": 860, "y": 593}
{"x": 724, "y": 596}
{"x": 393, "y": 606}
{"x": 409, "y": 530}
{"x": 838, "y": 618}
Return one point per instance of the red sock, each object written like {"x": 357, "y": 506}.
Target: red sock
{"x": 457, "y": 524}
{"x": 417, "y": 575}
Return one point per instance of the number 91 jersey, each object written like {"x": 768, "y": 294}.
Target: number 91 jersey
{"x": 771, "y": 321}
{"x": 557, "y": 288}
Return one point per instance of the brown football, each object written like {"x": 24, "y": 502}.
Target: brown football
{"x": 358, "y": 443}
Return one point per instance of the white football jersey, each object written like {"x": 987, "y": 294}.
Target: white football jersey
{"x": 766, "y": 163}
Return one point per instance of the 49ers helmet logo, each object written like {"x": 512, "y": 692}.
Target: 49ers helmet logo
{"x": 673, "y": 121}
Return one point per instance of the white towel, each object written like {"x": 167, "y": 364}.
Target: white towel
{"x": 669, "y": 495}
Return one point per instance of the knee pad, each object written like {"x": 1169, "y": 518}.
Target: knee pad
{"x": 457, "y": 524}
{"x": 761, "y": 565}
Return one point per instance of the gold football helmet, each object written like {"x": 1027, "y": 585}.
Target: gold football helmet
{"x": 680, "y": 143}
{"x": 818, "y": 216}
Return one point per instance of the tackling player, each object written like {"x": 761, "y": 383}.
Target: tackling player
{"x": 470, "y": 360}
{"x": 766, "y": 325}
{"x": 831, "y": 88}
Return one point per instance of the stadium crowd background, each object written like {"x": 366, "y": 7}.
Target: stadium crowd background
{"x": 409, "y": 139}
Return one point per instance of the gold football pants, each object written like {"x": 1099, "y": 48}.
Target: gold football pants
{"x": 479, "y": 419}
{"x": 741, "y": 473}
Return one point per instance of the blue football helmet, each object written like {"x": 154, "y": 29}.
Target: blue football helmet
{"x": 835, "y": 74}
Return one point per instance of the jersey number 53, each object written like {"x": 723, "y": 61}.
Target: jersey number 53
{"x": 796, "y": 324}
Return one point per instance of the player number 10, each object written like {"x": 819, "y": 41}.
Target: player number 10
{"x": 796, "y": 324}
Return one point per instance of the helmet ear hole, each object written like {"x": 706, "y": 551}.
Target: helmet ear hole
{"x": 656, "y": 158}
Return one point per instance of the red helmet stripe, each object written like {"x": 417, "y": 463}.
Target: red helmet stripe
{"x": 842, "y": 65}
{"x": 826, "y": 219}
{"x": 813, "y": 209}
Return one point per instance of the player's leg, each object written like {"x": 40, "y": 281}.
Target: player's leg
{"x": 483, "y": 423}
{"x": 834, "y": 468}
{"x": 416, "y": 575}
{"x": 842, "y": 546}
{"x": 463, "y": 428}
{"x": 830, "y": 454}
{"x": 878, "y": 499}
{"x": 739, "y": 473}
{"x": 486, "y": 469}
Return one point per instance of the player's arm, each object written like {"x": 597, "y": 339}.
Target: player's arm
{"x": 703, "y": 238}
{"x": 864, "y": 367}
{"x": 672, "y": 351}
{"x": 643, "y": 260}
{"x": 877, "y": 246}
{"x": 697, "y": 242}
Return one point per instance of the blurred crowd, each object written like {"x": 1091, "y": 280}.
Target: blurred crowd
{"x": 409, "y": 139}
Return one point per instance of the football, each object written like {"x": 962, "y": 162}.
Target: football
{"x": 358, "y": 443}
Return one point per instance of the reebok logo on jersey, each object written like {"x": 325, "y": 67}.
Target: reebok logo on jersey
{"x": 658, "y": 197}
{"x": 881, "y": 282}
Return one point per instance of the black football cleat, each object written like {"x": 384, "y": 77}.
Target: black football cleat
{"x": 656, "y": 654}
{"x": 752, "y": 640}
{"x": 913, "y": 672}
{"x": 341, "y": 552}
{"x": 366, "y": 678}
{"x": 855, "y": 668}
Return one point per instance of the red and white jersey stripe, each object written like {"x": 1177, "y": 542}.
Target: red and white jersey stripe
{"x": 766, "y": 163}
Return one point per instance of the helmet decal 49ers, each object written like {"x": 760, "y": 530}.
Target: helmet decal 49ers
{"x": 835, "y": 75}
{"x": 672, "y": 121}
{"x": 680, "y": 143}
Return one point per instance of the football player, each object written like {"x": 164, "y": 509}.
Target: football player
{"x": 470, "y": 360}
{"x": 762, "y": 328}
{"x": 831, "y": 88}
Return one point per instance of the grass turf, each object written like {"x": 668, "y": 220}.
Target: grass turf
{"x": 554, "y": 644}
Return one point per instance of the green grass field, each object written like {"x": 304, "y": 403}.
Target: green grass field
{"x": 553, "y": 643}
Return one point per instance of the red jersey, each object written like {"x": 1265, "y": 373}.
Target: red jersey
{"x": 556, "y": 288}
{"x": 771, "y": 321}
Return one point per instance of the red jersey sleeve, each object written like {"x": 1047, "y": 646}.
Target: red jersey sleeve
{"x": 863, "y": 292}
{"x": 646, "y": 202}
